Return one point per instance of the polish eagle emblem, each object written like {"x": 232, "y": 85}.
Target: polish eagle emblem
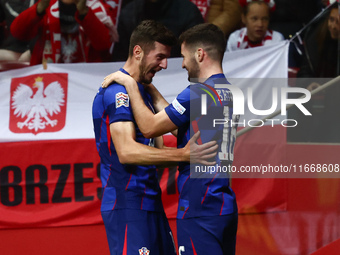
{"x": 37, "y": 108}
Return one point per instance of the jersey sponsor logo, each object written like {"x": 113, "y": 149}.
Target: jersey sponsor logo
{"x": 179, "y": 108}
{"x": 38, "y": 103}
{"x": 144, "y": 251}
{"x": 122, "y": 99}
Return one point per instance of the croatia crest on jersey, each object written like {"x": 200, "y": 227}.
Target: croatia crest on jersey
{"x": 144, "y": 251}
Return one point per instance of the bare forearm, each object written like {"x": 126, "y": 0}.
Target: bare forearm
{"x": 158, "y": 100}
{"x": 150, "y": 124}
{"x": 130, "y": 151}
{"x": 145, "y": 155}
{"x": 146, "y": 120}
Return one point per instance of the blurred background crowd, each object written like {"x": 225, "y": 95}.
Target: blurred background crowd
{"x": 74, "y": 31}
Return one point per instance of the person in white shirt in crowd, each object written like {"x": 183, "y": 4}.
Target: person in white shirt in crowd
{"x": 255, "y": 17}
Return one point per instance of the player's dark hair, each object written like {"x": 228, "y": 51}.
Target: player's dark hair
{"x": 147, "y": 33}
{"x": 207, "y": 36}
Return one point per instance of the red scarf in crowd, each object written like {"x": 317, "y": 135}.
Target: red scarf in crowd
{"x": 244, "y": 43}
{"x": 52, "y": 49}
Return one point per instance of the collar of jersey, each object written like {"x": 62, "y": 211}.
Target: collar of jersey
{"x": 210, "y": 80}
{"x": 140, "y": 86}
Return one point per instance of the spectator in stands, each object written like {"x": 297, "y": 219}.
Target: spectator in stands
{"x": 176, "y": 15}
{"x": 226, "y": 14}
{"x": 68, "y": 31}
{"x": 288, "y": 18}
{"x": 255, "y": 17}
{"x": 12, "y": 49}
{"x": 321, "y": 46}
{"x": 320, "y": 60}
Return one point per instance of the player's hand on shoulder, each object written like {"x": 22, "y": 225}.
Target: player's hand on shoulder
{"x": 118, "y": 77}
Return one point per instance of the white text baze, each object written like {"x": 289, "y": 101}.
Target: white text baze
{"x": 255, "y": 122}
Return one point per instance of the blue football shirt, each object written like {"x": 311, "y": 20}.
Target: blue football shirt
{"x": 124, "y": 186}
{"x": 201, "y": 193}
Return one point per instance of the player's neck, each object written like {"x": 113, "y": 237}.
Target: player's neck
{"x": 208, "y": 70}
{"x": 132, "y": 69}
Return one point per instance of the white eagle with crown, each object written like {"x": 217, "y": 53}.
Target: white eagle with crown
{"x": 38, "y": 107}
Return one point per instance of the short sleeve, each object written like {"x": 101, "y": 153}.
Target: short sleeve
{"x": 117, "y": 104}
{"x": 179, "y": 110}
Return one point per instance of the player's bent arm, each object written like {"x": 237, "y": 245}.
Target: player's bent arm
{"x": 158, "y": 100}
{"x": 150, "y": 125}
{"x": 131, "y": 152}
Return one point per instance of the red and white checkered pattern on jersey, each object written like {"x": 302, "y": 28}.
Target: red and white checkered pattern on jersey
{"x": 244, "y": 43}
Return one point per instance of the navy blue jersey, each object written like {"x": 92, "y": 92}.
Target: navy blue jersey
{"x": 124, "y": 186}
{"x": 203, "y": 194}
{"x": 207, "y": 235}
{"x": 132, "y": 232}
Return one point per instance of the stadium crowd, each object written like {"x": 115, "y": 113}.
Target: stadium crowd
{"x": 73, "y": 31}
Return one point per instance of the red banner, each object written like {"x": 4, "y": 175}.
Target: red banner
{"x": 56, "y": 183}
{"x": 49, "y": 183}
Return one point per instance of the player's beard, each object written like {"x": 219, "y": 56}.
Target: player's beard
{"x": 193, "y": 70}
{"x": 143, "y": 71}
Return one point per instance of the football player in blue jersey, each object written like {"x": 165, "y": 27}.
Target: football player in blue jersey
{"x": 207, "y": 211}
{"x": 131, "y": 207}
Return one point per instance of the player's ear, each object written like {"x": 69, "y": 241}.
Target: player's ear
{"x": 199, "y": 54}
{"x": 138, "y": 52}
